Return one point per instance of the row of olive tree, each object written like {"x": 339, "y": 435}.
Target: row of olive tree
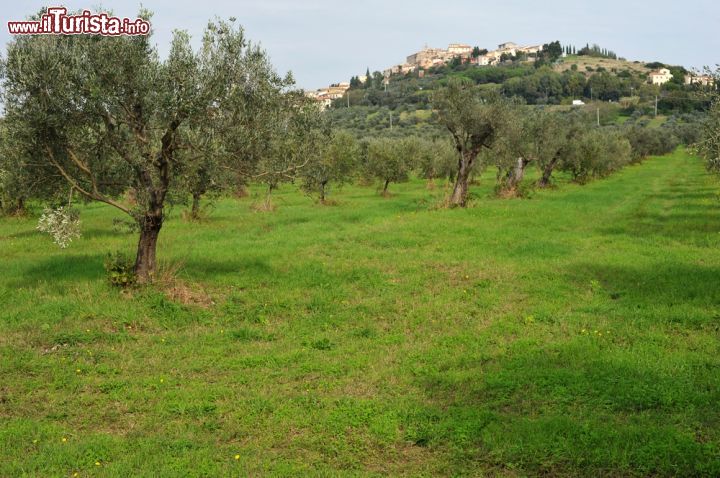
{"x": 708, "y": 144}
{"x": 490, "y": 130}
{"x": 492, "y": 133}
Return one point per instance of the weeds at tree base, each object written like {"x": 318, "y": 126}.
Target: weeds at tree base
{"x": 266, "y": 205}
{"x": 120, "y": 270}
{"x": 200, "y": 215}
{"x": 167, "y": 280}
{"x": 241, "y": 192}
{"x": 445, "y": 202}
{"x": 17, "y": 213}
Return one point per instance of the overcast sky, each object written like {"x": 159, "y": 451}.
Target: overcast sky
{"x": 324, "y": 41}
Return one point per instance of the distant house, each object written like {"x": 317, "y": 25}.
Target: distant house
{"x": 482, "y": 60}
{"x": 321, "y": 96}
{"x": 660, "y": 77}
{"x": 425, "y": 57}
{"x": 325, "y": 102}
{"x": 494, "y": 56}
{"x": 508, "y": 46}
{"x": 407, "y": 68}
{"x": 704, "y": 80}
{"x": 530, "y": 49}
{"x": 459, "y": 49}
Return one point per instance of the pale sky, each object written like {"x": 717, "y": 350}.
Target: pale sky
{"x": 324, "y": 41}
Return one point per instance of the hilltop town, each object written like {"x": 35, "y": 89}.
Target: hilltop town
{"x": 462, "y": 53}
{"x": 435, "y": 57}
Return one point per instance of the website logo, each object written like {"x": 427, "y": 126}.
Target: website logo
{"x": 56, "y": 21}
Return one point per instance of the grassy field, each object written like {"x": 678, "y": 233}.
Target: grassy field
{"x": 571, "y": 334}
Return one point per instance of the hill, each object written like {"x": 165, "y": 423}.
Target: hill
{"x": 618, "y": 88}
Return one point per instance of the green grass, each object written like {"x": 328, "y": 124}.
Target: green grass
{"x": 656, "y": 121}
{"x": 572, "y": 334}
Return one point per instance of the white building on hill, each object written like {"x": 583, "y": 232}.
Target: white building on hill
{"x": 660, "y": 77}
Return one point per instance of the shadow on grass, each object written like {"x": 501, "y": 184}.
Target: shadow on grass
{"x": 25, "y": 234}
{"x": 98, "y": 233}
{"x": 583, "y": 407}
{"x": 584, "y": 404}
{"x": 62, "y": 269}
{"x": 683, "y": 226}
{"x": 663, "y": 291}
{"x": 207, "y": 269}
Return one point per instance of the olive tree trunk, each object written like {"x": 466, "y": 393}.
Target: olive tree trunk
{"x": 460, "y": 190}
{"x": 322, "y": 191}
{"x": 515, "y": 176}
{"x": 195, "y": 209}
{"x": 544, "y": 180}
{"x": 145, "y": 261}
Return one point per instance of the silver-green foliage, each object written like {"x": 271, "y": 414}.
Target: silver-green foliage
{"x": 62, "y": 223}
{"x": 333, "y": 164}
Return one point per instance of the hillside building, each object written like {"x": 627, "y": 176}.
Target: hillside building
{"x": 459, "y": 49}
{"x": 660, "y": 77}
{"x": 704, "y": 80}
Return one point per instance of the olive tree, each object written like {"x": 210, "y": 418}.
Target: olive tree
{"x": 708, "y": 143}
{"x": 334, "y": 163}
{"x": 556, "y": 136}
{"x": 106, "y": 114}
{"x": 436, "y": 159}
{"x": 14, "y": 176}
{"x": 708, "y": 147}
{"x": 389, "y": 160}
{"x": 597, "y": 154}
{"x": 295, "y": 139}
{"x": 513, "y": 151}
{"x": 475, "y": 122}
{"x": 20, "y": 178}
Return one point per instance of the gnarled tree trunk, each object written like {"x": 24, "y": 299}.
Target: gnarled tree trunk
{"x": 515, "y": 176}
{"x": 519, "y": 172}
{"x": 195, "y": 209}
{"x": 460, "y": 190}
{"x": 145, "y": 262}
{"x": 544, "y": 180}
{"x": 322, "y": 192}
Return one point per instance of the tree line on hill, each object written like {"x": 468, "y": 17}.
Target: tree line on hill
{"x": 105, "y": 119}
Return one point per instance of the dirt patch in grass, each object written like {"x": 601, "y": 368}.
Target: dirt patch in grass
{"x": 187, "y": 294}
